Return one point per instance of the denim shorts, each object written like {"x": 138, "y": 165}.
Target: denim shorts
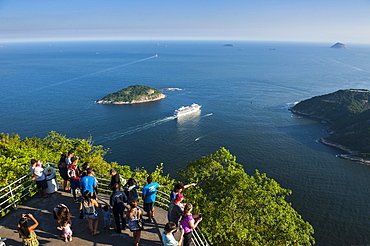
{"x": 75, "y": 184}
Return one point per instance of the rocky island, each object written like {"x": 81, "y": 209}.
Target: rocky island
{"x": 133, "y": 94}
{"x": 348, "y": 112}
{"x": 339, "y": 46}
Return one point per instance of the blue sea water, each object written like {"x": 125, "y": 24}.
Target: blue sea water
{"x": 245, "y": 91}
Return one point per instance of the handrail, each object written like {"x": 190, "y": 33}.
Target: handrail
{"x": 19, "y": 190}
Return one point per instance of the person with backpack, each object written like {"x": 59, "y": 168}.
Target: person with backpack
{"x": 131, "y": 190}
{"x": 88, "y": 211}
{"x": 62, "y": 165}
{"x": 117, "y": 200}
{"x": 74, "y": 176}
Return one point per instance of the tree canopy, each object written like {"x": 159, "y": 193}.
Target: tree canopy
{"x": 240, "y": 209}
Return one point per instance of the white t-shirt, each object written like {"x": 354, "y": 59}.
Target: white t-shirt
{"x": 38, "y": 173}
{"x": 169, "y": 240}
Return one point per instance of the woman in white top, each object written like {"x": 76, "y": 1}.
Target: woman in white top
{"x": 167, "y": 235}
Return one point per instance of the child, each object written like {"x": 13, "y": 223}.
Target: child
{"x": 107, "y": 217}
{"x": 65, "y": 227}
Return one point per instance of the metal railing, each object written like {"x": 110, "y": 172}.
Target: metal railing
{"x": 14, "y": 193}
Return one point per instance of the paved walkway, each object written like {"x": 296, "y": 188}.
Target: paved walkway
{"x": 42, "y": 210}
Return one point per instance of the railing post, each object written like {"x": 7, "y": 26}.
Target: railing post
{"x": 12, "y": 196}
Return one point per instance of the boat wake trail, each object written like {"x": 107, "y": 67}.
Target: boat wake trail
{"x": 132, "y": 130}
{"x": 94, "y": 73}
{"x": 208, "y": 115}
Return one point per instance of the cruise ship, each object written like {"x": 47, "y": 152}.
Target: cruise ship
{"x": 187, "y": 110}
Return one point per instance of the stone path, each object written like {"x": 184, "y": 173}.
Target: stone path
{"x": 42, "y": 210}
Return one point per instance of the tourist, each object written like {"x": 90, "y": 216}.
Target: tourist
{"x": 188, "y": 223}
{"x": 178, "y": 188}
{"x": 26, "y": 232}
{"x": 117, "y": 200}
{"x": 65, "y": 227}
{"x": 167, "y": 235}
{"x": 68, "y": 160}
{"x": 75, "y": 179}
{"x": 107, "y": 217}
{"x": 40, "y": 178}
{"x": 131, "y": 190}
{"x": 88, "y": 182}
{"x": 177, "y": 210}
{"x": 61, "y": 212}
{"x": 114, "y": 179}
{"x": 88, "y": 211}
{"x": 62, "y": 165}
{"x": 149, "y": 196}
{"x": 134, "y": 216}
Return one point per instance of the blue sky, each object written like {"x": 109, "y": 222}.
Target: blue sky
{"x": 268, "y": 20}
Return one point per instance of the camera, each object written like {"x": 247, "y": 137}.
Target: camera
{"x": 200, "y": 215}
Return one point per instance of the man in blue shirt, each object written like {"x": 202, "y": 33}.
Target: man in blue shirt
{"x": 88, "y": 182}
{"x": 149, "y": 196}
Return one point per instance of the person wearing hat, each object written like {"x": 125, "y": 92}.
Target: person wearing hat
{"x": 177, "y": 210}
{"x": 115, "y": 178}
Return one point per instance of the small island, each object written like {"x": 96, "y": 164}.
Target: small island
{"x": 348, "y": 112}
{"x": 339, "y": 46}
{"x": 133, "y": 94}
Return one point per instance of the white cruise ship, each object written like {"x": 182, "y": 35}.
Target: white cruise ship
{"x": 187, "y": 110}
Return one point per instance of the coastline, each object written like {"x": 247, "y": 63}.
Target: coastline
{"x": 132, "y": 102}
{"x": 349, "y": 154}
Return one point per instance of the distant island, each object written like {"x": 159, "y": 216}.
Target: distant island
{"x": 339, "y": 46}
{"x": 348, "y": 111}
{"x": 133, "y": 94}
{"x": 228, "y": 45}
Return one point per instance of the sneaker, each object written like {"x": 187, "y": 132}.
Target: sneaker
{"x": 70, "y": 239}
{"x": 66, "y": 239}
{"x": 76, "y": 200}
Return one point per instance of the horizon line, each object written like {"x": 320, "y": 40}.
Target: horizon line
{"x": 44, "y": 40}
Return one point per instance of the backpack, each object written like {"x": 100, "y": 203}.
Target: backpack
{"x": 62, "y": 162}
{"x": 71, "y": 173}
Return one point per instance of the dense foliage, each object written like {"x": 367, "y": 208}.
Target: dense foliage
{"x": 240, "y": 209}
{"x": 348, "y": 110}
{"x": 133, "y": 93}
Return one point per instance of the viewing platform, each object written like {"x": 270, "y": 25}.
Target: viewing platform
{"x": 17, "y": 198}
{"x": 48, "y": 234}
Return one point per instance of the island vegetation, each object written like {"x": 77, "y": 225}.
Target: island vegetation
{"x": 348, "y": 111}
{"x": 132, "y": 94}
{"x": 239, "y": 209}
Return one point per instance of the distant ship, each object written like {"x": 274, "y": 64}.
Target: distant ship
{"x": 187, "y": 110}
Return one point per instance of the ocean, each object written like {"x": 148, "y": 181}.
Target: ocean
{"x": 245, "y": 91}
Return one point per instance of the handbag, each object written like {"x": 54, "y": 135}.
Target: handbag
{"x": 140, "y": 224}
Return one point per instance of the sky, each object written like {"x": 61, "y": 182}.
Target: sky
{"x": 346, "y": 21}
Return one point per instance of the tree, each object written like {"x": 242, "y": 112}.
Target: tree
{"x": 240, "y": 209}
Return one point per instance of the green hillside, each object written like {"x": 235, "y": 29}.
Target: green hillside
{"x": 348, "y": 111}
